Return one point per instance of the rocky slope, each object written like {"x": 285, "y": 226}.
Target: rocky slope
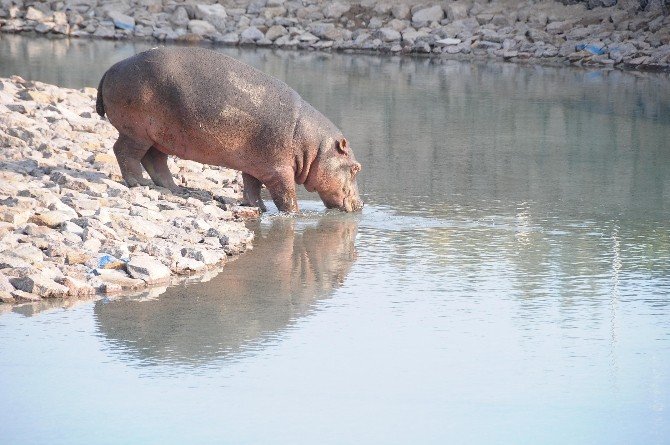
{"x": 622, "y": 35}
{"x": 70, "y": 228}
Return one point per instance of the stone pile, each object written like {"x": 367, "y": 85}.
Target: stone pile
{"x": 621, "y": 35}
{"x": 69, "y": 227}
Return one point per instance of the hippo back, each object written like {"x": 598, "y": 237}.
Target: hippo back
{"x": 211, "y": 98}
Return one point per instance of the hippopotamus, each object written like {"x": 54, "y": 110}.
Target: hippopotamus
{"x": 204, "y": 106}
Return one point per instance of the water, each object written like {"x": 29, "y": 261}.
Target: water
{"x": 507, "y": 282}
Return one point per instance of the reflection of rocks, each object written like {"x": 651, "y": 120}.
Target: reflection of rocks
{"x": 632, "y": 34}
{"x": 255, "y": 296}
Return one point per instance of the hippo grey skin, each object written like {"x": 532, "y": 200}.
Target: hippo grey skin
{"x": 201, "y": 105}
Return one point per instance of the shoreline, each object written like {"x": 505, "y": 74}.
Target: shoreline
{"x": 547, "y": 33}
{"x": 69, "y": 226}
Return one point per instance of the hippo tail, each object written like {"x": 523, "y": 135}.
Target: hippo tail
{"x": 99, "y": 104}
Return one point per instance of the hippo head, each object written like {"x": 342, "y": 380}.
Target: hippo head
{"x": 334, "y": 176}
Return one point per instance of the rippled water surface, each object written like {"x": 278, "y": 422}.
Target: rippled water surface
{"x": 508, "y": 281}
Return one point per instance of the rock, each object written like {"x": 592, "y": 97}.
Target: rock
{"x": 115, "y": 281}
{"x": 180, "y": 17}
{"x": 39, "y": 285}
{"x": 5, "y": 285}
{"x": 335, "y": 10}
{"x": 44, "y": 28}
{"x": 427, "y": 15}
{"x": 275, "y": 31}
{"x": 448, "y": 42}
{"x": 60, "y": 18}
{"x": 22, "y": 296}
{"x": 122, "y": 21}
{"x": 148, "y": 269}
{"x": 308, "y": 37}
{"x": 9, "y": 260}
{"x": 560, "y": 27}
{"x": 206, "y": 256}
{"x": 201, "y": 27}
{"x": 28, "y": 253}
{"x": 375, "y": 22}
{"x": 271, "y": 13}
{"x": 250, "y": 35}
{"x": 457, "y": 11}
{"x": 76, "y": 257}
{"x": 214, "y": 14}
{"x": 203, "y": 11}
{"x": 6, "y": 297}
{"x": 52, "y": 219}
{"x": 34, "y": 14}
{"x": 231, "y": 38}
{"x": 77, "y": 288}
{"x": 388, "y": 35}
{"x": 105, "y": 32}
{"x": 400, "y": 12}
{"x": 186, "y": 265}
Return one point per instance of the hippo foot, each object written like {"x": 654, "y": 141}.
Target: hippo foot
{"x": 259, "y": 204}
{"x": 138, "y": 182}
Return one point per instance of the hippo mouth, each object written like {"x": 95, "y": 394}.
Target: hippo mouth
{"x": 351, "y": 204}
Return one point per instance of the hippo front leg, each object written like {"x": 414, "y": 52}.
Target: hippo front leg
{"x": 282, "y": 190}
{"x": 252, "y": 192}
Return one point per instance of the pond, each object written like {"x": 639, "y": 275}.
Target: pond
{"x": 507, "y": 282}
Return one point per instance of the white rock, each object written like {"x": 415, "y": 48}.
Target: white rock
{"x": 207, "y": 256}
{"x": 202, "y": 11}
{"x": 251, "y": 34}
{"x": 214, "y": 14}
{"x": 201, "y": 27}
{"x": 335, "y": 10}
{"x": 428, "y": 15}
{"x": 388, "y": 35}
{"x": 448, "y": 42}
{"x": 275, "y": 32}
{"x": 52, "y": 218}
{"x": 185, "y": 265}
{"x": 122, "y": 21}
{"x": 34, "y": 14}
{"x": 400, "y": 11}
{"x": 148, "y": 269}
{"x": 457, "y": 11}
{"x": 179, "y": 17}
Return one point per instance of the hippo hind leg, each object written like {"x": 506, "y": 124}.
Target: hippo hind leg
{"x": 129, "y": 154}
{"x": 252, "y": 192}
{"x": 155, "y": 163}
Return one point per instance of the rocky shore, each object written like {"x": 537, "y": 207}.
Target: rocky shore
{"x": 605, "y": 33}
{"x": 70, "y": 228}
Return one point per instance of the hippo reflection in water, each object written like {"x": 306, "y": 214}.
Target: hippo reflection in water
{"x": 253, "y": 298}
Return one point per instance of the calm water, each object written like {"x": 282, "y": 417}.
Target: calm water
{"x": 508, "y": 281}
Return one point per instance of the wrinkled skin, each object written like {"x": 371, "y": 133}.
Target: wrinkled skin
{"x": 201, "y": 105}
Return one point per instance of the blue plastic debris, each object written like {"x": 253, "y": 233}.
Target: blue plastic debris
{"x": 104, "y": 260}
{"x": 593, "y": 48}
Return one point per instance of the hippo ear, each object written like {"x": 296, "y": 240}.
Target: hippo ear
{"x": 342, "y": 146}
